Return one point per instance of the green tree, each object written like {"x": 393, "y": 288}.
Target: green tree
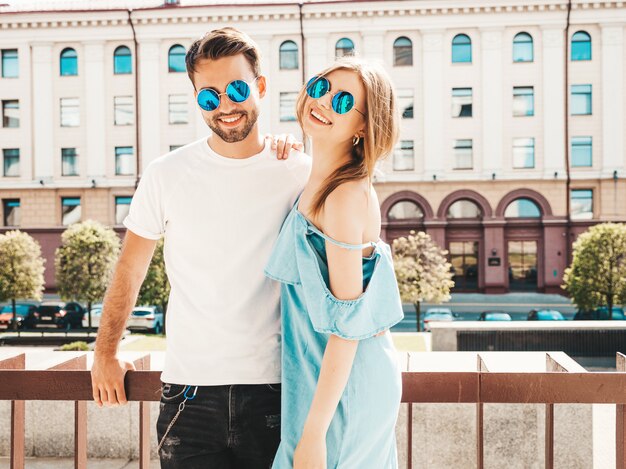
{"x": 597, "y": 276}
{"x": 422, "y": 270}
{"x": 21, "y": 269}
{"x": 155, "y": 289}
{"x": 85, "y": 262}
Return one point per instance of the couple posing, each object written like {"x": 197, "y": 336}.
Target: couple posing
{"x": 250, "y": 307}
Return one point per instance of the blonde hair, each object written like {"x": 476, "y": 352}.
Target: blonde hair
{"x": 381, "y": 129}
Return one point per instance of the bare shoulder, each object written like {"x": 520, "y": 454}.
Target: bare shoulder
{"x": 346, "y": 211}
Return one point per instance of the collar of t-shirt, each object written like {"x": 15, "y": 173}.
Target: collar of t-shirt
{"x": 213, "y": 155}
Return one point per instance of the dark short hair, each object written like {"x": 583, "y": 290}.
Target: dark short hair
{"x": 224, "y": 42}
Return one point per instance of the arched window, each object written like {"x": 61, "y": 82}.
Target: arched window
{"x": 69, "y": 62}
{"x": 402, "y": 52}
{"x": 464, "y": 209}
{"x": 523, "y": 48}
{"x": 405, "y": 210}
{"x": 122, "y": 61}
{"x": 581, "y": 46}
{"x": 344, "y": 47}
{"x": 176, "y": 59}
{"x": 522, "y": 208}
{"x": 461, "y": 48}
{"x": 288, "y": 55}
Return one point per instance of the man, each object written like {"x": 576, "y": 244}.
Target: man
{"x": 220, "y": 204}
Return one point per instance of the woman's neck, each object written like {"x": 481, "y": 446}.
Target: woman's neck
{"x": 327, "y": 158}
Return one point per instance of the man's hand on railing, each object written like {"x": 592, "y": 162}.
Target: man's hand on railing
{"x": 107, "y": 380}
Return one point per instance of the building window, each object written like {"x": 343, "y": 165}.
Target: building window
{"x": 464, "y": 209}
{"x": 69, "y": 162}
{"x": 581, "y": 46}
{"x": 174, "y": 147}
{"x": 288, "y": 52}
{"x": 122, "y": 61}
{"x": 10, "y": 67}
{"x": 178, "y": 109}
{"x": 405, "y": 102}
{"x": 581, "y": 151}
{"x": 11, "y": 212}
{"x": 344, "y": 47}
{"x": 124, "y": 162}
{"x": 461, "y": 102}
{"x": 405, "y": 210}
{"x": 11, "y": 162}
{"x": 581, "y": 202}
{"x": 461, "y": 49}
{"x": 523, "y": 152}
{"x": 69, "y": 62}
{"x": 402, "y": 52}
{"x": 581, "y": 100}
{"x": 70, "y": 112}
{"x": 122, "y": 206}
{"x": 176, "y": 59}
{"x": 522, "y": 208}
{"x": 523, "y": 101}
{"x": 522, "y": 48}
{"x": 404, "y": 156}
{"x": 11, "y": 113}
{"x": 70, "y": 210}
{"x": 123, "y": 110}
{"x": 288, "y": 106}
{"x": 463, "y": 154}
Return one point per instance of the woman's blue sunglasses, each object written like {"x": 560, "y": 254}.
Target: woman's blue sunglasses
{"x": 237, "y": 91}
{"x": 342, "y": 101}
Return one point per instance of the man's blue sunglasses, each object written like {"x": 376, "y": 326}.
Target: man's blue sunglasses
{"x": 237, "y": 91}
{"x": 342, "y": 101}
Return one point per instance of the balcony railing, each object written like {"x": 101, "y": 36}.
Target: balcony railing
{"x": 71, "y": 381}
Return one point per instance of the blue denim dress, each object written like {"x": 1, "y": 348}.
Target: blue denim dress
{"x": 362, "y": 432}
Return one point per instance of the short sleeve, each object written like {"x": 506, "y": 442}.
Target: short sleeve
{"x": 378, "y": 308}
{"x": 146, "y": 216}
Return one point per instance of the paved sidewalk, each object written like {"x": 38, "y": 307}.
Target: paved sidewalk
{"x": 68, "y": 463}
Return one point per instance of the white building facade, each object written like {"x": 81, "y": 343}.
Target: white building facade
{"x": 512, "y": 138}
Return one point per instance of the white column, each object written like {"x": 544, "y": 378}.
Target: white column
{"x": 95, "y": 105}
{"x": 316, "y": 54}
{"x": 43, "y": 117}
{"x": 553, "y": 102}
{"x": 612, "y": 99}
{"x": 492, "y": 113}
{"x": 434, "y": 149}
{"x": 373, "y": 46}
{"x": 149, "y": 110}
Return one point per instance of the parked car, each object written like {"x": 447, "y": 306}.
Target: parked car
{"x": 96, "y": 314}
{"x": 62, "y": 315}
{"x": 545, "y": 315}
{"x": 146, "y": 318}
{"x": 25, "y": 315}
{"x": 600, "y": 314}
{"x": 494, "y": 316}
{"x": 437, "y": 315}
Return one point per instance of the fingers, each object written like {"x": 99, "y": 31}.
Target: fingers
{"x": 120, "y": 395}
{"x": 95, "y": 392}
{"x": 280, "y": 147}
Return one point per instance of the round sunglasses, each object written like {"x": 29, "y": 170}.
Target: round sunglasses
{"x": 342, "y": 101}
{"x": 237, "y": 91}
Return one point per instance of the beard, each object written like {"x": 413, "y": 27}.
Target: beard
{"x": 233, "y": 135}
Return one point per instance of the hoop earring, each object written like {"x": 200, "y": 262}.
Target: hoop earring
{"x": 355, "y": 141}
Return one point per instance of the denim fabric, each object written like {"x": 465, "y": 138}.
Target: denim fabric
{"x": 362, "y": 432}
{"x": 222, "y": 427}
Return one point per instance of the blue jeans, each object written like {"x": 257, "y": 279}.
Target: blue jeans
{"x": 222, "y": 427}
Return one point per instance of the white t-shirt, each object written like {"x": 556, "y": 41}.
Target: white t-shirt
{"x": 220, "y": 217}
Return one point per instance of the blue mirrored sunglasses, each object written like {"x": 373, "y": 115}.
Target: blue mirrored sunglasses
{"x": 237, "y": 91}
{"x": 342, "y": 101}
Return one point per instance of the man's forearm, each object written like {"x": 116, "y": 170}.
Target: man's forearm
{"x": 118, "y": 304}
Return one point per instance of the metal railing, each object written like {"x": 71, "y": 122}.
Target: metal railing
{"x": 71, "y": 381}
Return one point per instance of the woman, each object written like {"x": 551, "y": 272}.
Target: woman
{"x": 341, "y": 379}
